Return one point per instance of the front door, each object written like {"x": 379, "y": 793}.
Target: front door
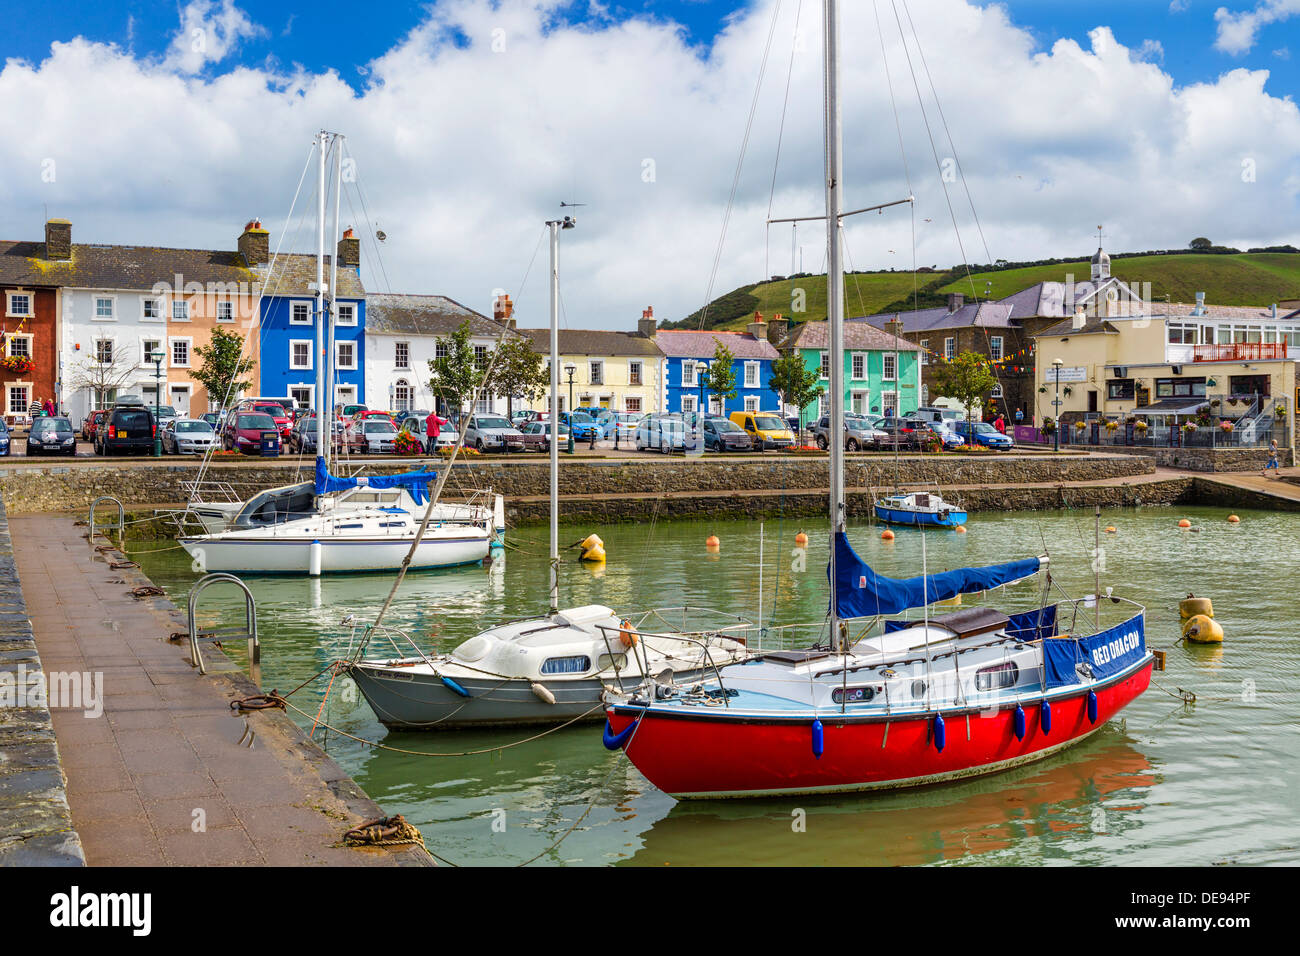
{"x": 181, "y": 400}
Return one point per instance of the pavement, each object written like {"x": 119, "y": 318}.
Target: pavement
{"x": 165, "y": 774}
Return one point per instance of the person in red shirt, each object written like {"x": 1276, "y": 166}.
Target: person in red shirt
{"x": 432, "y": 425}
{"x": 1000, "y": 424}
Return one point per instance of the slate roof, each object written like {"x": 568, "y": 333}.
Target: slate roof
{"x": 398, "y": 314}
{"x": 1092, "y": 325}
{"x": 119, "y": 267}
{"x": 1049, "y": 299}
{"x": 857, "y": 335}
{"x": 680, "y": 344}
{"x": 295, "y": 273}
{"x": 594, "y": 342}
{"x": 993, "y": 315}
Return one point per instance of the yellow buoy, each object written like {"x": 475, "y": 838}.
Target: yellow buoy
{"x": 886, "y": 535}
{"x": 1184, "y": 523}
{"x": 801, "y": 540}
{"x": 591, "y": 541}
{"x": 1203, "y": 630}
{"x": 711, "y": 543}
{"x": 594, "y": 553}
{"x": 1110, "y": 529}
{"x": 1233, "y": 519}
{"x": 961, "y": 529}
{"x": 1192, "y": 606}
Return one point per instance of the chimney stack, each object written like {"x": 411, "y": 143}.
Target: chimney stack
{"x": 58, "y": 239}
{"x": 777, "y": 330}
{"x": 350, "y": 250}
{"x": 503, "y": 310}
{"x": 955, "y": 301}
{"x": 646, "y": 327}
{"x": 255, "y": 243}
{"x": 757, "y": 328}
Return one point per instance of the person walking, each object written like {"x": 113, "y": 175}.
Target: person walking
{"x": 1000, "y": 424}
{"x": 36, "y": 407}
{"x": 432, "y": 426}
{"x": 1272, "y": 460}
{"x": 50, "y": 409}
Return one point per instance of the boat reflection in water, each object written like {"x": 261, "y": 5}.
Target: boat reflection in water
{"x": 1045, "y": 812}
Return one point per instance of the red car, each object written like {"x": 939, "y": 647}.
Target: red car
{"x": 283, "y": 422}
{"x": 91, "y": 424}
{"x": 250, "y": 432}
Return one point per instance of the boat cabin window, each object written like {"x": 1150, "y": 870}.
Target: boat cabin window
{"x": 998, "y": 676}
{"x": 617, "y": 662}
{"x": 853, "y": 695}
{"x": 577, "y": 664}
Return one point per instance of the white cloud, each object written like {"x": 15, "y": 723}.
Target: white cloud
{"x": 208, "y": 33}
{"x": 1178, "y": 6}
{"x": 1238, "y": 31}
{"x": 463, "y": 152}
{"x": 1151, "y": 51}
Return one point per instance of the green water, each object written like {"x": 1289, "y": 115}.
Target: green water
{"x": 1168, "y": 784}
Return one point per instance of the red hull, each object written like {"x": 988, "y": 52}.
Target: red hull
{"x": 708, "y": 756}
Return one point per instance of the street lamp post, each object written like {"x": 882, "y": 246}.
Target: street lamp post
{"x": 571, "y": 370}
{"x": 702, "y": 378}
{"x": 156, "y": 357}
{"x": 1056, "y": 407}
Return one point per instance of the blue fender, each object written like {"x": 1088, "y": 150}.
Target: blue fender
{"x": 818, "y": 738}
{"x": 940, "y": 734}
{"x": 452, "y": 685}
{"x": 1092, "y": 706}
{"x": 1045, "y": 717}
{"x": 615, "y": 741}
{"x": 1020, "y": 722}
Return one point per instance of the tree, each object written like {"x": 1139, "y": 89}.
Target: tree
{"x": 223, "y": 367}
{"x": 1200, "y": 244}
{"x": 722, "y": 374}
{"x": 519, "y": 372}
{"x": 967, "y": 378}
{"x": 795, "y": 383}
{"x": 455, "y": 377}
{"x": 101, "y": 378}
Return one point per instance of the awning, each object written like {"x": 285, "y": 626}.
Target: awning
{"x": 1173, "y": 406}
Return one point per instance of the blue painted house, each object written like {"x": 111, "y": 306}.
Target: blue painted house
{"x": 688, "y": 355}
{"x": 287, "y": 356}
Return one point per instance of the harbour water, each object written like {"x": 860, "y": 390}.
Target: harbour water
{"x": 1157, "y": 787}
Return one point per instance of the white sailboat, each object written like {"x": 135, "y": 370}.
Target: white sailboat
{"x": 555, "y": 667}
{"x": 335, "y": 524}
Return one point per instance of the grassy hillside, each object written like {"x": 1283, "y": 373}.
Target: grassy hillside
{"x": 1245, "y": 279}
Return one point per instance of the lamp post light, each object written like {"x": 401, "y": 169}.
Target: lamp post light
{"x": 1056, "y": 406}
{"x": 571, "y": 370}
{"x": 156, "y": 357}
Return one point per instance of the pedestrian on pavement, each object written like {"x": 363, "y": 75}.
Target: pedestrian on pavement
{"x": 36, "y": 407}
{"x": 49, "y": 408}
{"x": 1000, "y": 424}
{"x": 432, "y": 425}
{"x": 1272, "y": 460}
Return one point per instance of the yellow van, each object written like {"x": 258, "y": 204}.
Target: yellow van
{"x": 765, "y": 429}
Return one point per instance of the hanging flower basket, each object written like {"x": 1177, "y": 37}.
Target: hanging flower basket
{"x": 1080, "y": 426}
{"x": 1049, "y": 426}
{"x": 1226, "y": 427}
{"x": 1189, "y": 426}
{"x": 1279, "y": 411}
{"x": 1111, "y": 426}
{"x": 1232, "y": 399}
{"x": 1067, "y": 390}
{"x": 1140, "y": 425}
{"x": 1042, "y": 389}
{"x": 17, "y": 365}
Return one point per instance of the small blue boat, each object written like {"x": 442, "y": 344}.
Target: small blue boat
{"x": 919, "y": 509}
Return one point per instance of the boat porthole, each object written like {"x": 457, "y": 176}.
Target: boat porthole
{"x": 918, "y": 689}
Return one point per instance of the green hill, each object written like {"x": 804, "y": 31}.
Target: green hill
{"x": 1241, "y": 279}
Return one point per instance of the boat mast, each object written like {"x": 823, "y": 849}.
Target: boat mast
{"x": 555, "y": 225}
{"x": 834, "y": 291}
{"x": 330, "y": 349}
{"x": 321, "y": 448}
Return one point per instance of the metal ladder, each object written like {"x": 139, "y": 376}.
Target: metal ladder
{"x": 121, "y": 515}
{"x": 247, "y": 631}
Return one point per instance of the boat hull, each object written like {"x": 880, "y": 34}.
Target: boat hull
{"x": 920, "y": 519}
{"x": 293, "y": 555}
{"x": 716, "y": 755}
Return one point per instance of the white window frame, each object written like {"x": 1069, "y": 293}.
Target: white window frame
{"x": 751, "y": 403}
{"x": 752, "y": 367}
{"x": 996, "y": 350}
{"x": 689, "y": 404}
{"x": 175, "y": 340}
{"x": 338, "y": 360}
{"x": 858, "y": 366}
{"x": 996, "y": 392}
{"x": 350, "y": 308}
{"x": 596, "y": 371}
{"x": 635, "y": 373}
{"x": 20, "y": 293}
{"x": 112, "y": 308}
{"x": 162, "y": 346}
{"x": 293, "y": 304}
{"x": 13, "y": 337}
{"x": 157, "y": 302}
{"x": 311, "y": 355}
{"x": 307, "y": 387}
{"x": 400, "y": 361}
{"x": 400, "y": 404}
{"x": 184, "y": 305}
{"x": 925, "y": 351}
{"x": 692, "y": 380}
{"x": 27, "y": 397}
{"x": 629, "y": 401}
{"x": 112, "y": 349}
{"x": 228, "y": 306}
{"x": 949, "y": 348}
{"x": 887, "y": 374}
{"x": 441, "y": 350}
{"x": 824, "y": 370}
{"x": 889, "y": 400}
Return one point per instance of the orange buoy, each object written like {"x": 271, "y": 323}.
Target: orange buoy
{"x": 712, "y": 543}
{"x": 801, "y": 540}
{"x": 1233, "y": 519}
{"x": 886, "y": 535}
{"x": 1184, "y": 523}
{"x": 961, "y": 529}
{"x": 1110, "y": 529}
{"x": 627, "y": 634}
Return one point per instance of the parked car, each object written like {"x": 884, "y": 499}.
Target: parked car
{"x": 661, "y": 433}
{"x": 347, "y": 411}
{"x": 283, "y": 423}
{"x": 931, "y": 413}
{"x": 420, "y": 413}
{"x": 302, "y": 439}
{"x": 765, "y": 429}
{"x": 859, "y": 433}
{"x": 943, "y": 431}
{"x": 722, "y": 434}
{"x": 899, "y": 432}
{"x": 51, "y": 436}
{"x": 163, "y": 414}
{"x": 5, "y": 439}
{"x": 212, "y": 418}
{"x": 188, "y": 436}
{"x": 982, "y": 433}
{"x": 625, "y": 423}
{"x": 583, "y": 426}
{"x": 91, "y": 422}
{"x": 488, "y": 432}
{"x": 126, "y": 427}
{"x": 535, "y": 430}
{"x": 253, "y": 433}
{"x": 373, "y": 435}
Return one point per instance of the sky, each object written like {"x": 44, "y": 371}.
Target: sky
{"x": 1028, "y": 124}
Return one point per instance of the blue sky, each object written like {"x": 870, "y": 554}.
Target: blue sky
{"x": 329, "y": 33}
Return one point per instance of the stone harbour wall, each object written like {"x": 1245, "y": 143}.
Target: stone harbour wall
{"x": 1212, "y": 459}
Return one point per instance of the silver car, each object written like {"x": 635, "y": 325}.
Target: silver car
{"x": 492, "y": 433}
{"x": 188, "y": 436}
{"x": 376, "y": 435}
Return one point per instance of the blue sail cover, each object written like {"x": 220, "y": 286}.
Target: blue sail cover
{"x": 416, "y": 483}
{"x": 861, "y": 592}
{"x": 1025, "y": 626}
{"x": 1108, "y": 653}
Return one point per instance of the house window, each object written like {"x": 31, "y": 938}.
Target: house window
{"x": 300, "y": 353}
{"x": 103, "y": 307}
{"x": 345, "y": 355}
{"x": 402, "y": 354}
{"x": 690, "y": 375}
{"x": 104, "y": 351}
{"x": 925, "y": 351}
{"x": 19, "y": 346}
{"x": 824, "y": 371}
{"x": 481, "y": 356}
{"x": 103, "y": 399}
{"x": 345, "y": 313}
{"x": 151, "y": 310}
{"x": 300, "y": 313}
{"x": 483, "y": 404}
{"x": 925, "y": 395}
{"x": 596, "y": 369}
{"x": 949, "y": 348}
{"x": 890, "y": 366}
{"x": 859, "y": 365}
{"x": 147, "y": 348}
{"x": 181, "y": 352}
{"x": 997, "y": 392}
{"x": 1180, "y": 387}
{"x": 689, "y": 403}
{"x": 302, "y": 394}
{"x": 20, "y": 304}
{"x": 751, "y": 375}
{"x": 19, "y": 397}
{"x": 751, "y": 403}
{"x": 225, "y": 311}
{"x": 1120, "y": 390}
{"x": 889, "y": 403}
{"x": 634, "y": 377}
{"x": 632, "y": 403}
{"x": 440, "y": 349}
{"x": 180, "y": 310}
{"x": 995, "y": 348}
{"x": 402, "y": 396}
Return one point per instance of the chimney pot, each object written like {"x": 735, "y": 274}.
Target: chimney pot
{"x": 349, "y": 250}
{"x": 255, "y": 243}
{"x": 646, "y": 327}
{"x": 58, "y": 239}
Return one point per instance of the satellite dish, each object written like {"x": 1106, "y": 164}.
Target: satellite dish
{"x": 381, "y": 235}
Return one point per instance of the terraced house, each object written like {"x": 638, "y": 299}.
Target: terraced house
{"x": 687, "y": 360}
{"x": 882, "y": 372}
{"x": 29, "y": 308}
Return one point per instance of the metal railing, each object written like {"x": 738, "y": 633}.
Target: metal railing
{"x": 121, "y": 515}
{"x": 247, "y": 631}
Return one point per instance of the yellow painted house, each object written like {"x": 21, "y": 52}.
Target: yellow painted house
{"x": 622, "y": 371}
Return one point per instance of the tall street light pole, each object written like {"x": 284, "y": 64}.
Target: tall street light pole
{"x": 571, "y": 370}
{"x": 156, "y": 357}
{"x": 1056, "y": 405}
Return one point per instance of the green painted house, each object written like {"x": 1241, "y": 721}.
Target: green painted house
{"x": 882, "y": 373}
